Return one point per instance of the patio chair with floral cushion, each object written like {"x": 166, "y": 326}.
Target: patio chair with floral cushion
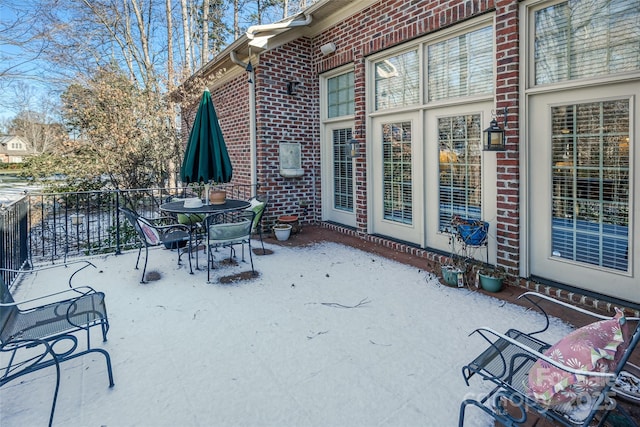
{"x": 570, "y": 383}
{"x": 232, "y": 228}
{"x": 44, "y": 332}
{"x": 153, "y": 232}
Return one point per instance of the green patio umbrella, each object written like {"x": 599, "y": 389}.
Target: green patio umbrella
{"x": 206, "y": 158}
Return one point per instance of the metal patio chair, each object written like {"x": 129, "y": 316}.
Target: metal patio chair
{"x": 259, "y": 206}
{"x": 152, "y": 233}
{"x": 233, "y": 228}
{"x": 32, "y": 330}
{"x": 530, "y": 381}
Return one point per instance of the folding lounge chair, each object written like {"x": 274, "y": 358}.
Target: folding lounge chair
{"x": 31, "y": 330}
{"x": 570, "y": 383}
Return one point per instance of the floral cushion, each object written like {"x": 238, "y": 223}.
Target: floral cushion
{"x": 150, "y": 233}
{"x": 595, "y": 347}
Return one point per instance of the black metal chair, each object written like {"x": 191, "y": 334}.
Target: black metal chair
{"x": 259, "y": 206}
{"x": 509, "y": 359}
{"x": 152, "y": 233}
{"x": 30, "y": 333}
{"x": 233, "y": 228}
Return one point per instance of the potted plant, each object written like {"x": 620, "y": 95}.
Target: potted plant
{"x": 217, "y": 196}
{"x": 491, "y": 279}
{"x": 282, "y": 231}
{"x": 452, "y": 275}
{"x": 470, "y": 231}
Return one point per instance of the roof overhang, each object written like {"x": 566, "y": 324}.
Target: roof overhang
{"x": 259, "y": 38}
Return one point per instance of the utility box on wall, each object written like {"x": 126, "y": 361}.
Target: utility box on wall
{"x": 291, "y": 160}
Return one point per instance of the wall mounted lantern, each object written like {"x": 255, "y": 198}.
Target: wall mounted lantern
{"x": 249, "y": 71}
{"x": 292, "y": 87}
{"x": 328, "y": 49}
{"x": 494, "y": 135}
{"x": 353, "y": 149}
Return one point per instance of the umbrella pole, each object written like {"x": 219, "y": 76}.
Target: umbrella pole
{"x": 206, "y": 193}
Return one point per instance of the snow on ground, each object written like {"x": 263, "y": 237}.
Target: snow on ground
{"x": 326, "y": 336}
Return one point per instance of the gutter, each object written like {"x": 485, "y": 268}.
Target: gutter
{"x": 254, "y": 30}
{"x": 252, "y": 118}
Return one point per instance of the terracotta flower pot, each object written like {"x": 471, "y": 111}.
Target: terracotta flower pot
{"x": 217, "y": 197}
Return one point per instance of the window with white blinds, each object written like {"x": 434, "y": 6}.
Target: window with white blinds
{"x": 460, "y": 187}
{"x": 461, "y": 65}
{"x": 397, "y": 81}
{"x": 590, "y": 146}
{"x": 586, "y": 38}
{"x": 397, "y": 179}
{"x": 340, "y": 95}
{"x": 342, "y": 171}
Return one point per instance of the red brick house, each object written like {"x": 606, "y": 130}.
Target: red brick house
{"x": 415, "y": 83}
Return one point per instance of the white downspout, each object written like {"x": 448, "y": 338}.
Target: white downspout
{"x": 252, "y": 119}
{"x": 256, "y": 29}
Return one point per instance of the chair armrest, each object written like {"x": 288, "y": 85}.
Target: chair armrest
{"x": 535, "y": 298}
{"x": 88, "y": 290}
{"x": 484, "y": 332}
{"x": 50, "y": 267}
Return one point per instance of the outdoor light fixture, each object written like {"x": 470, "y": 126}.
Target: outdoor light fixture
{"x": 328, "y": 49}
{"x": 249, "y": 70}
{"x": 292, "y": 87}
{"x": 494, "y": 136}
{"x": 353, "y": 149}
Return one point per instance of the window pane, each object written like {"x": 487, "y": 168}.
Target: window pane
{"x": 397, "y": 82}
{"x": 460, "y": 142}
{"x": 340, "y": 95}
{"x": 583, "y": 38}
{"x": 461, "y": 66}
{"x": 342, "y": 171}
{"x": 590, "y": 145}
{"x": 397, "y": 184}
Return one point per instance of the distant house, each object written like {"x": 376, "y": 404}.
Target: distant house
{"x": 409, "y": 87}
{"x": 13, "y": 149}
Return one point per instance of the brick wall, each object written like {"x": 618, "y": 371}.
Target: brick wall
{"x": 288, "y": 118}
{"x": 295, "y": 118}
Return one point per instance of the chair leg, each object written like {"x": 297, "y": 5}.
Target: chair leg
{"x": 209, "y": 255}
{"x": 261, "y": 241}
{"x": 55, "y": 393}
{"x": 189, "y": 254}
{"x": 138, "y": 259}
{"x": 250, "y": 255}
{"x": 146, "y": 258}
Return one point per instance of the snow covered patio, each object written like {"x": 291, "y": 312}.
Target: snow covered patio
{"x": 327, "y": 335}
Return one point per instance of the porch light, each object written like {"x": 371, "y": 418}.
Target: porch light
{"x": 249, "y": 71}
{"x": 494, "y": 135}
{"x": 354, "y": 149}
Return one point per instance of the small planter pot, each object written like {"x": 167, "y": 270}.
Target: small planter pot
{"x": 282, "y": 232}
{"x": 217, "y": 197}
{"x": 452, "y": 276}
{"x": 490, "y": 283}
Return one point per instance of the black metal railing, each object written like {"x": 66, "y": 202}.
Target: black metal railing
{"x": 47, "y": 227}
{"x": 13, "y": 232}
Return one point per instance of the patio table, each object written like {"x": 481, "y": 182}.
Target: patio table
{"x": 230, "y": 205}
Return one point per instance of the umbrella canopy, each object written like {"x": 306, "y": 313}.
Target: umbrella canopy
{"x": 206, "y": 158}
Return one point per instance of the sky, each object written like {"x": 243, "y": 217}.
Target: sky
{"x": 326, "y": 336}
{"x": 10, "y": 54}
